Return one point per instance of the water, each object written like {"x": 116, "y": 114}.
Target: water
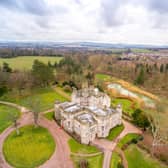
{"x": 148, "y": 101}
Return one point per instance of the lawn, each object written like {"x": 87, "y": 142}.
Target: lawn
{"x": 46, "y": 97}
{"x": 94, "y": 161}
{"x": 140, "y": 159}
{"x": 114, "y": 132}
{"x": 26, "y": 62}
{"x": 127, "y": 105}
{"x": 5, "y": 113}
{"x": 76, "y": 147}
{"x": 49, "y": 115}
{"x": 115, "y": 160}
{"x": 30, "y": 149}
{"x": 103, "y": 77}
{"x": 128, "y": 138}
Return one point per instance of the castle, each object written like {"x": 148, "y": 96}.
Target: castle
{"x": 88, "y": 115}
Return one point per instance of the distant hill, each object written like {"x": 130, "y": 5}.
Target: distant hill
{"x": 87, "y": 45}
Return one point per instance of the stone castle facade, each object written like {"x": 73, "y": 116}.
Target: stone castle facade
{"x": 88, "y": 115}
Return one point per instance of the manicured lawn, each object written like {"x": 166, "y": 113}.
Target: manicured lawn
{"x": 81, "y": 148}
{"x": 115, "y": 159}
{"x": 127, "y": 105}
{"x": 138, "y": 158}
{"x": 103, "y": 76}
{"x": 94, "y": 161}
{"x": 49, "y": 115}
{"x": 46, "y": 97}
{"x": 115, "y": 132}
{"x": 26, "y": 62}
{"x": 30, "y": 149}
{"x": 127, "y": 138}
{"x": 5, "y": 113}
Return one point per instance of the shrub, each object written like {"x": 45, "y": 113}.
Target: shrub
{"x": 67, "y": 88}
{"x": 120, "y": 165}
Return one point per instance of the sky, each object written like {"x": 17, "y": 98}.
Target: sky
{"x": 112, "y": 21}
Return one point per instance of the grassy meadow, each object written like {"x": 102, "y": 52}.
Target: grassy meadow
{"x": 140, "y": 159}
{"x": 5, "y": 113}
{"x": 26, "y": 62}
{"x": 46, "y": 97}
{"x": 29, "y": 149}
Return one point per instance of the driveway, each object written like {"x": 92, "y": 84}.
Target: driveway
{"x": 108, "y": 146}
{"x": 60, "y": 158}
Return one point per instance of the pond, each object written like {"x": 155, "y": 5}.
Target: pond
{"x": 123, "y": 91}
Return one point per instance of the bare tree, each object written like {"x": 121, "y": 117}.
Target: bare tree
{"x": 159, "y": 126}
{"x": 20, "y": 81}
{"x": 35, "y": 107}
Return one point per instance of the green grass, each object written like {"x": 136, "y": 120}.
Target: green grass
{"x": 5, "y": 113}
{"x": 49, "y": 115}
{"x": 94, "y": 161}
{"x": 128, "y": 138}
{"x": 103, "y": 76}
{"x": 115, "y": 159}
{"x": 138, "y": 158}
{"x": 114, "y": 132}
{"x": 30, "y": 149}
{"x": 26, "y": 62}
{"x": 46, "y": 97}
{"x": 127, "y": 105}
{"x": 76, "y": 147}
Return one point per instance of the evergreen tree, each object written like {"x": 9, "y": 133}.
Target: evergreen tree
{"x": 6, "y": 68}
{"x": 141, "y": 77}
{"x": 162, "y": 68}
{"x": 42, "y": 73}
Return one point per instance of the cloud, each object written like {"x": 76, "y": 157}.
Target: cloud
{"x": 160, "y": 6}
{"x": 36, "y": 7}
{"x": 131, "y": 21}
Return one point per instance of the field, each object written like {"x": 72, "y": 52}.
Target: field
{"x": 81, "y": 148}
{"x": 5, "y": 113}
{"x": 94, "y": 161}
{"x": 138, "y": 158}
{"x": 29, "y": 149}
{"x": 26, "y": 62}
{"x": 46, "y": 97}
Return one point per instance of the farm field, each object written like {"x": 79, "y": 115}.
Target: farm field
{"x": 139, "y": 158}
{"x": 46, "y": 97}
{"x": 26, "y": 62}
{"x": 5, "y": 113}
{"x": 29, "y": 149}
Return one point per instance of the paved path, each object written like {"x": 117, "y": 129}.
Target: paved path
{"x": 108, "y": 146}
{"x": 60, "y": 158}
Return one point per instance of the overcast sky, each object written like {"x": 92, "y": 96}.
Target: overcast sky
{"x": 114, "y": 21}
